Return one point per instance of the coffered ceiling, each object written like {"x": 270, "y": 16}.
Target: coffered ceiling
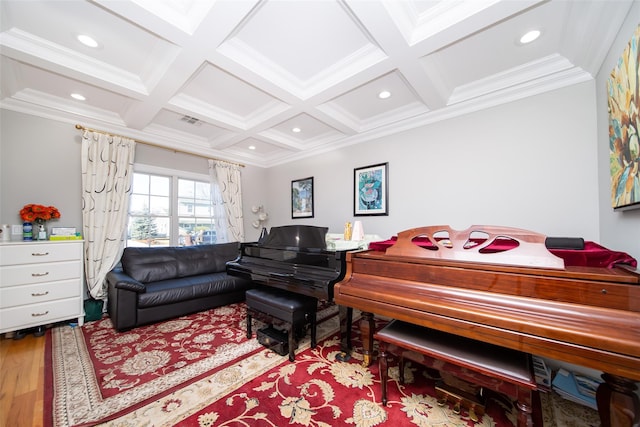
{"x": 265, "y": 82}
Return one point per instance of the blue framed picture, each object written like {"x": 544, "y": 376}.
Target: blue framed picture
{"x": 371, "y": 190}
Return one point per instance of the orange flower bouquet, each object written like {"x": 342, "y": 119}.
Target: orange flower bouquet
{"x": 33, "y": 212}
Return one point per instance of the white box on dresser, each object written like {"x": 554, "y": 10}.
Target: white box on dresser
{"x": 41, "y": 282}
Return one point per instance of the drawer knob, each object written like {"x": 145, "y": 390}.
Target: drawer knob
{"x": 39, "y": 294}
{"x": 39, "y": 274}
{"x": 39, "y": 314}
{"x": 40, "y": 253}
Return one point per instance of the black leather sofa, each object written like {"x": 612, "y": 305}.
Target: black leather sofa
{"x": 153, "y": 284}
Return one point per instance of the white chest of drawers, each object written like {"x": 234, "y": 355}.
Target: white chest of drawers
{"x": 40, "y": 283}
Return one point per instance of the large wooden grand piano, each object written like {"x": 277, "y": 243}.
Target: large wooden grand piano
{"x": 523, "y": 298}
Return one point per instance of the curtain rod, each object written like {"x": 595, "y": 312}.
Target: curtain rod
{"x": 160, "y": 146}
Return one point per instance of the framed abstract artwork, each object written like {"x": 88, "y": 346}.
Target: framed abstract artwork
{"x": 371, "y": 190}
{"x": 623, "y": 90}
{"x": 302, "y": 198}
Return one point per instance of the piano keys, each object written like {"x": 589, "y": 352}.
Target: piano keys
{"x": 588, "y": 316}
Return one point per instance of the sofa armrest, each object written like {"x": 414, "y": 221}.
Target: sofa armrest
{"x": 121, "y": 280}
{"x": 122, "y": 301}
{"x": 131, "y": 285}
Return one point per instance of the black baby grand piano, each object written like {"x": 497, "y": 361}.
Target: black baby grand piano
{"x": 294, "y": 258}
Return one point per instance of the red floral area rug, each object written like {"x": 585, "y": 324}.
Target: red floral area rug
{"x": 265, "y": 389}
{"x": 200, "y": 370}
{"x": 94, "y": 374}
{"x": 317, "y": 390}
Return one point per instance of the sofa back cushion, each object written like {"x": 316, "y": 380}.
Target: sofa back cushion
{"x": 161, "y": 263}
{"x": 205, "y": 259}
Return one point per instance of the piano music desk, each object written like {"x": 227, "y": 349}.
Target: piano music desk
{"x": 497, "y": 368}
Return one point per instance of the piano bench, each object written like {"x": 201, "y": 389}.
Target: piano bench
{"x": 500, "y": 369}
{"x": 292, "y": 309}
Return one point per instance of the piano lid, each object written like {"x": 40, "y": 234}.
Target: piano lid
{"x": 307, "y": 237}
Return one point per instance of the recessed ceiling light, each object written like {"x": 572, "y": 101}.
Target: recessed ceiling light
{"x": 384, "y": 94}
{"x": 78, "y": 97}
{"x": 296, "y": 130}
{"x": 529, "y": 36}
{"x": 87, "y": 40}
{"x": 252, "y": 147}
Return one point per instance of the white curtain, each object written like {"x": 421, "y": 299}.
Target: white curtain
{"x": 107, "y": 171}
{"x": 226, "y": 187}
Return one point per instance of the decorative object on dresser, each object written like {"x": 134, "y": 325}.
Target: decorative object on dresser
{"x": 27, "y": 231}
{"x": 39, "y": 214}
{"x": 5, "y": 232}
{"x": 40, "y": 283}
{"x": 64, "y": 233}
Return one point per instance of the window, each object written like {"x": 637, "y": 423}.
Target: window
{"x": 195, "y": 213}
{"x": 170, "y": 210}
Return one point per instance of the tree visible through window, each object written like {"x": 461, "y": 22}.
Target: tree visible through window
{"x": 170, "y": 211}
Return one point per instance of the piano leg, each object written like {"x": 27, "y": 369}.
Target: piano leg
{"x": 383, "y": 364}
{"x": 345, "y": 315}
{"x": 525, "y": 408}
{"x": 367, "y": 328}
{"x": 248, "y": 325}
{"x": 618, "y": 405}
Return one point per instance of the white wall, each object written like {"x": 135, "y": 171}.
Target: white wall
{"x": 619, "y": 230}
{"x": 529, "y": 164}
{"x": 40, "y": 163}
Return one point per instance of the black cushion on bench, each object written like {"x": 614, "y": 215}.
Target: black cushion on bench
{"x": 289, "y": 307}
{"x": 281, "y": 304}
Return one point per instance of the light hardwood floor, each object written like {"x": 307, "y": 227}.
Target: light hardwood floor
{"x": 21, "y": 381}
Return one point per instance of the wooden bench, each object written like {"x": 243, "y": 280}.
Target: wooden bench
{"x": 496, "y": 368}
